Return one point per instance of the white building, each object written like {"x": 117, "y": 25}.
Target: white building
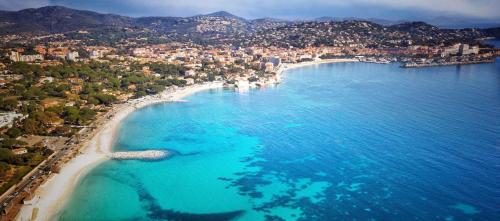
{"x": 189, "y": 81}
{"x": 46, "y": 79}
{"x": 31, "y": 58}
{"x": 6, "y": 119}
{"x": 269, "y": 67}
{"x": 96, "y": 54}
{"x": 466, "y": 50}
{"x": 17, "y": 57}
{"x": 190, "y": 73}
{"x": 19, "y": 151}
{"x": 306, "y": 57}
{"x": 453, "y": 50}
{"x": 460, "y": 49}
{"x": 14, "y": 56}
{"x": 72, "y": 56}
{"x": 139, "y": 52}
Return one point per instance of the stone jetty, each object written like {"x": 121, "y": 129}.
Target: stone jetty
{"x": 139, "y": 155}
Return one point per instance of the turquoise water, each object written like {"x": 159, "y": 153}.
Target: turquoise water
{"x": 346, "y": 141}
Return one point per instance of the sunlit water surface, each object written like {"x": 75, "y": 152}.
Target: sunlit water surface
{"x": 338, "y": 141}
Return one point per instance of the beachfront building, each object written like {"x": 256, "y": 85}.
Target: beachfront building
{"x": 465, "y": 49}
{"x": 189, "y": 81}
{"x": 275, "y": 60}
{"x": 269, "y": 67}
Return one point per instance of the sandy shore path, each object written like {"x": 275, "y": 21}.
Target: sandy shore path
{"x": 54, "y": 193}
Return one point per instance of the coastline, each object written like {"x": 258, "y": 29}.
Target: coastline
{"x": 53, "y": 194}
{"x": 414, "y": 65}
{"x": 287, "y": 66}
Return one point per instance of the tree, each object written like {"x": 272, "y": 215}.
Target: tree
{"x": 105, "y": 99}
{"x": 7, "y": 143}
{"x": 211, "y": 77}
{"x": 43, "y": 118}
{"x": 75, "y": 116}
{"x": 113, "y": 83}
{"x": 34, "y": 93}
{"x": 14, "y": 132}
{"x": 140, "y": 94}
{"x": 8, "y": 104}
{"x": 30, "y": 107}
{"x": 5, "y": 155}
{"x": 82, "y": 53}
{"x": 253, "y": 79}
{"x": 63, "y": 131}
{"x": 31, "y": 126}
{"x": 86, "y": 114}
{"x": 71, "y": 115}
{"x": 4, "y": 168}
{"x": 58, "y": 110}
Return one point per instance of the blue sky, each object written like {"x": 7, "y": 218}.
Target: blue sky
{"x": 286, "y": 9}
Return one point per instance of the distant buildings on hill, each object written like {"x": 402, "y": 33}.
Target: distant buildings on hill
{"x": 17, "y": 57}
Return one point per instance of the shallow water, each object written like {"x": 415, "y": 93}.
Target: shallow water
{"x": 345, "y": 141}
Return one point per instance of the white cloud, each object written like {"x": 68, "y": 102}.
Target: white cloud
{"x": 14, "y": 5}
{"x": 260, "y": 8}
{"x": 476, "y": 8}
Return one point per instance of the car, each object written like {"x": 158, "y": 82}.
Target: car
{"x": 32, "y": 177}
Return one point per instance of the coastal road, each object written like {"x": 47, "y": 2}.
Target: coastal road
{"x": 41, "y": 172}
{"x": 30, "y": 181}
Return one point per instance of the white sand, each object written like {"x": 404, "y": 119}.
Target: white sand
{"x": 54, "y": 193}
{"x": 288, "y": 66}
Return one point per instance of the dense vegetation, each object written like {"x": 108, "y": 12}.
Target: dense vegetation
{"x": 55, "y": 100}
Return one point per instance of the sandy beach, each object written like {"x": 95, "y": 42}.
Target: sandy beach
{"x": 288, "y": 66}
{"x": 54, "y": 193}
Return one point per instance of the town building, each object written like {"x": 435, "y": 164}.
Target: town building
{"x": 190, "y": 73}
{"x": 275, "y": 60}
{"x": 269, "y": 67}
{"x": 19, "y": 151}
{"x": 72, "y": 56}
{"x": 17, "y": 57}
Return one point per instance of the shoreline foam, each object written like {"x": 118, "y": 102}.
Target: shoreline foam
{"x": 55, "y": 192}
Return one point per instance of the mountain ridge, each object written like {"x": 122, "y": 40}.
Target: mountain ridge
{"x": 60, "y": 19}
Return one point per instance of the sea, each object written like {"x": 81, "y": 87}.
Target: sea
{"x": 340, "y": 141}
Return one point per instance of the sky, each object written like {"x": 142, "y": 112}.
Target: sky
{"x": 285, "y": 9}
